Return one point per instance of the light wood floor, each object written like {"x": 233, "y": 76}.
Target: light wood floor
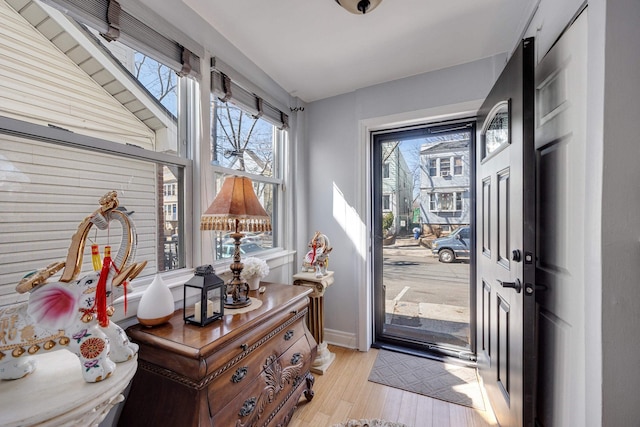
{"x": 343, "y": 393}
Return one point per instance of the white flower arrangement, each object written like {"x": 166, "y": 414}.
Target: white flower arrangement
{"x": 254, "y": 267}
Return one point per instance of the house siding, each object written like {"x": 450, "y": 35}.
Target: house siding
{"x": 59, "y": 94}
{"x": 40, "y": 84}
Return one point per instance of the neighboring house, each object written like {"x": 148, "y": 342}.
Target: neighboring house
{"x": 444, "y": 184}
{"x": 88, "y": 93}
{"x": 170, "y": 195}
{"x": 397, "y": 187}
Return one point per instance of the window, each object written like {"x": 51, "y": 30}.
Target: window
{"x": 94, "y": 130}
{"x": 445, "y": 202}
{"x": 464, "y": 233}
{"x": 247, "y": 145}
{"x": 386, "y": 202}
{"x": 458, "y": 200}
{"x": 495, "y": 131}
{"x": 169, "y": 189}
{"x": 385, "y": 170}
{"x": 445, "y": 166}
{"x": 433, "y": 167}
{"x": 433, "y": 202}
{"x": 457, "y": 165}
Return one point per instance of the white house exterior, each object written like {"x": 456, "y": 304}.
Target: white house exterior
{"x": 444, "y": 184}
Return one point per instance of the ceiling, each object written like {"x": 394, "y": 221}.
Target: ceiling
{"x": 315, "y": 49}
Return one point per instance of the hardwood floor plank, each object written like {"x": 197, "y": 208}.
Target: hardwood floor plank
{"x": 344, "y": 393}
{"x": 407, "y": 414}
{"x": 341, "y": 412}
{"x": 320, "y": 419}
{"x": 369, "y": 404}
{"x": 424, "y": 412}
{"x": 441, "y": 413}
{"x": 391, "y": 407}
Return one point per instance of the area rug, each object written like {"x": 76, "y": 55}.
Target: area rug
{"x": 369, "y": 423}
{"x": 433, "y": 378}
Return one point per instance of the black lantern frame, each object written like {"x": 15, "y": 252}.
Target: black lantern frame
{"x": 210, "y": 304}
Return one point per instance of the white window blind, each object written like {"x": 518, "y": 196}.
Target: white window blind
{"x": 115, "y": 22}
{"x": 229, "y": 91}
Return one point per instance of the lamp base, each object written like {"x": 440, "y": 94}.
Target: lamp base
{"x": 241, "y": 302}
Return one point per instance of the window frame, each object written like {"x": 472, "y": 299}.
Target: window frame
{"x": 280, "y": 155}
{"x": 461, "y": 166}
{"x": 446, "y": 167}
{"x": 192, "y": 144}
{"x": 386, "y": 200}
{"x": 386, "y": 168}
{"x": 432, "y": 166}
{"x": 435, "y": 201}
{"x": 36, "y": 132}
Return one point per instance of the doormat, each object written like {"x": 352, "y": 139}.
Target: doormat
{"x": 439, "y": 380}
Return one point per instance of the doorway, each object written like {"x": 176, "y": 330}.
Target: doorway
{"x": 423, "y": 254}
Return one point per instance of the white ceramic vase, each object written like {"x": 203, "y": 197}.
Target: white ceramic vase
{"x": 156, "y": 305}
{"x": 253, "y": 282}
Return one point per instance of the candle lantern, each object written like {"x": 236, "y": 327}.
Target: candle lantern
{"x": 206, "y": 292}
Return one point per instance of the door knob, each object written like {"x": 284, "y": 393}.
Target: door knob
{"x": 516, "y": 255}
{"x": 517, "y": 285}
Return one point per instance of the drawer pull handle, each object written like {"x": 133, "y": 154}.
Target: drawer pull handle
{"x": 248, "y": 406}
{"x": 296, "y": 358}
{"x": 244, "y": 347}
{"x": 294, "y": 311}
{"x": 288, "y": 335}
{"x": 239, "y": 375}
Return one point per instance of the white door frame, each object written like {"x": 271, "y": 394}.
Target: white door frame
{"x": 365, "y": 127}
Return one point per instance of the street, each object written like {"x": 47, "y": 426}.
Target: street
{"x": 424, "y": 297}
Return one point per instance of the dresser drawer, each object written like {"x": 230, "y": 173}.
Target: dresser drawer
{"x": 251, "y": 363}
{"x": 258, "y": 402}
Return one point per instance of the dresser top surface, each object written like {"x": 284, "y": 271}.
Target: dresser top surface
{"x": 196, "y": 341}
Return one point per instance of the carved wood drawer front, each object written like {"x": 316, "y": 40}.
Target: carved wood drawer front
{"x": 237, "y": 377}
{"x": 258, "y": 402}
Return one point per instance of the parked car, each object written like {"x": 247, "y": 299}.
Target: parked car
{"x": 245, "y": 248}
{"x": 455, "y": 246}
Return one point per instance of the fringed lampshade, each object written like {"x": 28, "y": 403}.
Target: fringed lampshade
{"x": 236, "y": 208}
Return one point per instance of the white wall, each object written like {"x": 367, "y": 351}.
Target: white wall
{"x": 336, "y": 147}
{"x": 621, "y": 216}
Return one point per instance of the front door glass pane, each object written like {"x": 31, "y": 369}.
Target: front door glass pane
{"x": 422, "y": 269}
{"x": 495, "y": 133}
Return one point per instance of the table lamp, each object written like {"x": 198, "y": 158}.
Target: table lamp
{"x": 236, "y": 208}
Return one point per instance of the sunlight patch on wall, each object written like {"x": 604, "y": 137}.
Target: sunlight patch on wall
{"x": 348, "y": 219}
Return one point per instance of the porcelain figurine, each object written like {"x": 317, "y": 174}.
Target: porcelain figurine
{"x": 317, "y": 258}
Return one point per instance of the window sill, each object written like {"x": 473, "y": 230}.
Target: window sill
{"x": 175, "y": 280}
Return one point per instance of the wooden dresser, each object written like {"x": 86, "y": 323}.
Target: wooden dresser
{"x": 246, "y": 369}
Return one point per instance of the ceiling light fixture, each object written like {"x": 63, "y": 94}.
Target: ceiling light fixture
{"x": 359, "y": 6}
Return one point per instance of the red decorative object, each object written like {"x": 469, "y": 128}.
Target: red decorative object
{"x": 101, "y": 290}
{"x": 92, "y": 347}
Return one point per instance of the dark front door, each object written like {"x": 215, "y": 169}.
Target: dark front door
{"x": 505, "y": 241}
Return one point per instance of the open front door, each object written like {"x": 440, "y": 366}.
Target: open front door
{"x": 505, "y": 242}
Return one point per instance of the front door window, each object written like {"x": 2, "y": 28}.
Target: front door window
{"x": 422, "y": 264}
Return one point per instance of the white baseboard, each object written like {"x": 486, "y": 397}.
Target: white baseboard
{"x": 340, "y": 338}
